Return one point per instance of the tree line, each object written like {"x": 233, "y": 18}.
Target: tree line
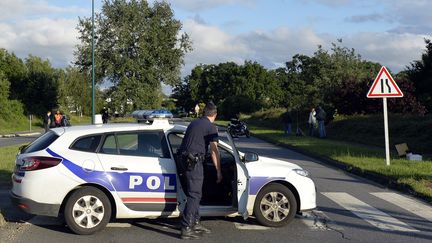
{"x": 140, "y": 46}
{"x": 337, "y": 79}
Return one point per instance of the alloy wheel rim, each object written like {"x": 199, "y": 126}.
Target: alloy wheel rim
{"x": 275, "y": 206}
{"x": 88, "y": 211}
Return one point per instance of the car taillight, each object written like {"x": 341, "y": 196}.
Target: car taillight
{"x": 38, "y": 163}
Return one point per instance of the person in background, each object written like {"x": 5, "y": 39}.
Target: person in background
{"x": 287, "y": 121}
{"x": 58, "y": 117}
{"x": 197, "y": 110}
{"x": 321, "y": 116}
{"x": 47, "y": 121}
{"x": 312, "y": 122}
{"x": 105, "y": 115}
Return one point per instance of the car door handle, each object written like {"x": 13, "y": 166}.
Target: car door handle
{"x": 119, "y": 168}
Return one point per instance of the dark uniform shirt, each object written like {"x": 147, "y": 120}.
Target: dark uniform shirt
{"x": 198, "y": 136}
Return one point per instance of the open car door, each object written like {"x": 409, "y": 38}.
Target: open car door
{"x": 242, "y": 179}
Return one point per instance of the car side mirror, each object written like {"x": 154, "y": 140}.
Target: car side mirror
{"x": 250, "y": 157}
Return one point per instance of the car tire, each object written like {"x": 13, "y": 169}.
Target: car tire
{"x": 275, "y": 206}
{"x": 87, "y": 211}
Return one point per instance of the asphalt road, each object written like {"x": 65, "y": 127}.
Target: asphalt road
{"x": 350, "y": 209}
{"x": 16, "y": 140}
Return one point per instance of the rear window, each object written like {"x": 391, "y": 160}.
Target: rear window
{"x": 87, "y": 144}
{"x": 41, "y": 143}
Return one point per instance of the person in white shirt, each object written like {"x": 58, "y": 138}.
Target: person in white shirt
{"x": 312, "y": 122}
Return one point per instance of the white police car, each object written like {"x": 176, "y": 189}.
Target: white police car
{"x": 92, "y": 174}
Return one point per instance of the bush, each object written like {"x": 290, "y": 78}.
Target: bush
{"x": 234, "y": 105}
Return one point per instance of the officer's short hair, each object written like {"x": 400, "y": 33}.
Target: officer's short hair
{"x": 210, "y": 109}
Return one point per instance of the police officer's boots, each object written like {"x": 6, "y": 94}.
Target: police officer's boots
{"x": 198, "y": 227}
{"x": 187, "y": 233}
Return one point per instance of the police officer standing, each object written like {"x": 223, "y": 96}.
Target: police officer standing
{"x": 200, "y": 134}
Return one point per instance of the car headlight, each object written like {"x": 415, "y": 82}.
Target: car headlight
{"x": 302, "y": 172}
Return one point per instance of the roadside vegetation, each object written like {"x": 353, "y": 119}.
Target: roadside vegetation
{"x": 7, "y": 164}
{"x": 359, "y": 145}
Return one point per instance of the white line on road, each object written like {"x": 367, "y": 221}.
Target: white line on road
{"x": 368, "y": 213}
{"x": 413, "y": 206}
{"x": 119, "y": 225}
{"x": 250, "y": 226}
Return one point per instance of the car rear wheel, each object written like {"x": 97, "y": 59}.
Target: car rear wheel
{"x": 87, "y": 211}
{"x": 275, "y": 206}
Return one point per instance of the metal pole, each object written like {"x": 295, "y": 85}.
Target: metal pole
{"x": 386, "y": 135}
{"x": 30, "y": 119}
{"x": 93, "y": 72}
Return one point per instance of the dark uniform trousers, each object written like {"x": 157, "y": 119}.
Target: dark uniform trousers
{"x": 194, "y": 181}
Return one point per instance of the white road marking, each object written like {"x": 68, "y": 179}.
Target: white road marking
{"x": 119, "y": 225}
{"x": 241, "y": 226}
{"x": 368, "y": 213}
{"x": 414, "y": 206}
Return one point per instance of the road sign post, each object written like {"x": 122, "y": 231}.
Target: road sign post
{"x": 386, "y": 134}
{"x": 385, "y": 87}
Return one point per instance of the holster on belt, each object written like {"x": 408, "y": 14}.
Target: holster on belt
{"x": 188, "y": 161}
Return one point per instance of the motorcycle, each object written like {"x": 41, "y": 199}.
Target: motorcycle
{"x": 238, "y": 128}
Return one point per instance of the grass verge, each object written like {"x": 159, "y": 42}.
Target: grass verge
{"x": 7, "y": 164}
{"x": 414, "y": 177}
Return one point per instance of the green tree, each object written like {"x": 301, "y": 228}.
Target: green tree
{"x": 15, "y": 72}
{"x": 250, "y": 81}
{"x": 182, "y": 94}
{"x": 420, "y": 73}
{"x": 11, "y": 110}
{"x": 76, "y": 91}
{"x": 138, "y": 47}
{"x": 41, "y": 90}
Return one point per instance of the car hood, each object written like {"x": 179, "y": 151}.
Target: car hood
{"x": 270, "y": 167}
{"x": 277, "y": 163}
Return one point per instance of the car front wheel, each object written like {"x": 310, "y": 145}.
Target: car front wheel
{"x": 275, "y": 206}
{"x": 87, "y": 211}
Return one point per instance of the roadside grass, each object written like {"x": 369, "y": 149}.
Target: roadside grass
{"x": 7, "y": 163}
{"x": 416, "y": 175}
{"x": 413, "y": 130}
{"x": 21, "y": 125}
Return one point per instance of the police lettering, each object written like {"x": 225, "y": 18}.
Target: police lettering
{"x": 152, "y": 182}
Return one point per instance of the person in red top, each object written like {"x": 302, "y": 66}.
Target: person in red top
{"x": 58, "y": 119}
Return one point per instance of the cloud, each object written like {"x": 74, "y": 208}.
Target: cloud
{"x": 366, "y": 18}
{"x": 412, "y": 16}
{"x": 19, "y": 9}
{"x": 393, "y": 50}
{"x": 52, "y": 39}
{"x": 330, "y": 3}
{"x": 274, "y": 47}
{"x": 200, "y": 5}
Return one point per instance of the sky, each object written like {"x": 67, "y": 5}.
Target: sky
{"x": 269, "y": 32}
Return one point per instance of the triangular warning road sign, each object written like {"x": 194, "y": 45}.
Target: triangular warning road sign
{"x": 384, "y": 86}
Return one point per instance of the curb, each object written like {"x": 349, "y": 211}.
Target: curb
{"x": 375, "y": 177}
{"x": 8, "y": 135}
{"x": 2, "y": 220}
{"x": 29, "y": 134}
